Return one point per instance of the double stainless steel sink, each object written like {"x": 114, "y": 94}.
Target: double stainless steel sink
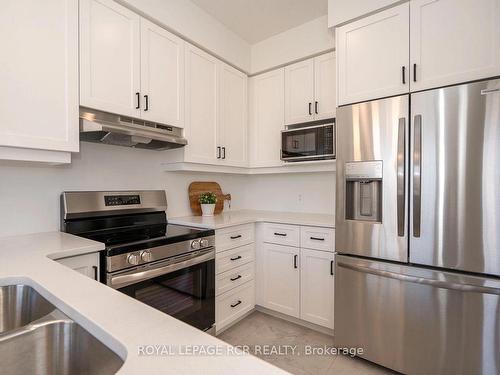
{"x": 37, "y": 338}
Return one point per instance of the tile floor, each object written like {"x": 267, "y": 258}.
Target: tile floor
{"x": 262, "y": 329}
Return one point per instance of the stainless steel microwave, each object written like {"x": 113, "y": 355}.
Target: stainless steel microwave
{"x": 308, "y": 143}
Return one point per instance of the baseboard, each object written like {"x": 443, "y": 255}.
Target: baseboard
{"x": 300, "y": 322}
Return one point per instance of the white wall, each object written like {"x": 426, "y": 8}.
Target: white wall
{"x": 30, "y": 194}
{"x": 308, "y": 39}
{"x": 192, "y": 22}
{"x": 341, "y": 11}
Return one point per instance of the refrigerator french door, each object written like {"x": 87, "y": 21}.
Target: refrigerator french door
{"x": 436, "y": 307}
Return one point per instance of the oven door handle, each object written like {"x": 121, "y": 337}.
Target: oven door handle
{"x": 136, "y": 276}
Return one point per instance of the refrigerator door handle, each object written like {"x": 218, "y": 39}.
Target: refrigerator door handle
{"x": 421, "y": 280}
{"x": 401, "y": 176}
{"x": 417, "y": 174}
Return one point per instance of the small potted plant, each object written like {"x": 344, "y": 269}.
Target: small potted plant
{"x": 207, "y": 202}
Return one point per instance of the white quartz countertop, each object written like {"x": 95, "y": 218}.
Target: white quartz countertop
{"x": 237, "y": 217}
{"x": 120, "y": 322}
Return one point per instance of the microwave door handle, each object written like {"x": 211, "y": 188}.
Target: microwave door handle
{"x": 401, "y": 163}
{"x": 133, "y": 277}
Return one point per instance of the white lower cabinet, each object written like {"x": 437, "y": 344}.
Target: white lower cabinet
{"x": 86, "y": 264}
{"x": 280, "y": 278}
{"x": 234, "y": 304}
{"x": 234, "y": 274}
{"x": 316, "y": 287}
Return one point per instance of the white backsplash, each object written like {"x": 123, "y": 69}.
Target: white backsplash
{"x": 30, "y": 194}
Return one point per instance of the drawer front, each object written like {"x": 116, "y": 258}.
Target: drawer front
{"x": 230, "y": 259}
{"x": 233, "y": 304}
{"x": 229, "y": 238}
{"x": 317, "y": 238}
{"x": 282, "y": 234}
{"x": 231, "y": 279}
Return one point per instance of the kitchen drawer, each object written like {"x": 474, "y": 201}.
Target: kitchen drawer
{"x": 231, "y": 279}
{"x": 317, "y": 238}
{"x": 282, "y": 234}
{"x": 234, "y": 304}
{"x": 229, "y": 238}
{"x": 227, "y": 260}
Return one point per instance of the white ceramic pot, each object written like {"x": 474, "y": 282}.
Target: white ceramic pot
{"x": 207, "y": 209}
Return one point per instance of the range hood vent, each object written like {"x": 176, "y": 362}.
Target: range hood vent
{"x": 102, "y": 127}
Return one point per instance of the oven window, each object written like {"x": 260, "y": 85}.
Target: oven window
{"x": 187, "y": 294}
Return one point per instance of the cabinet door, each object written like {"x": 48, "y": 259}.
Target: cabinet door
{"x": 325, "y": 86}
{"x": 299, "y": 92}
{"x": 373, "y": 55}
{"x": 109, "y": 57}
{"x": 162, "y": 75}
{"x": 87, "y": 264}
{"x": 39, "y": 75}
{"x": 201, "y": 106}
{"x": 453, "y": 41}
{"x": 316, "y": 287}
{"x": 267, "y": 106}
{"x": 233, "y": 116}
{"x": 280, "y": 275}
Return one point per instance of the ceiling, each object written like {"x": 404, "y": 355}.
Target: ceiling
{"x": 256, "y": 20}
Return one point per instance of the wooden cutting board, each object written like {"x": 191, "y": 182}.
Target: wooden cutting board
{"x": 198, "y": 187}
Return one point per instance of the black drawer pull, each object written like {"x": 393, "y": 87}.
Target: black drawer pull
{"x": 236, "y": 237}
{"x": 295, "y": 261}
{"x": 238, "y": 257}
{"x": 235, "y": 278}
{"x": 317, "y": 238}
{"x": 331, "y": 267}
{"x": 236, "y": 304}
{"x": 146, "y": 97}
{"x": 138, "y": 94}
{"x": 280, "y": 234}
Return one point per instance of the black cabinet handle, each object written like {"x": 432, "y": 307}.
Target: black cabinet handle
{"x": 331, "y": 267}
{"x": 414, "y": 72}
{"x": 235, "y": 278}
{"x": 238, "y": 257}
{"x": 95, "y": 272}
{"x": 223, "y": 152}
{"x": 236, "y": 304}
{"x": 236, "y": 237}
{"x": 138, "y": 94}
{"x": 316, "y": 107}
{"x": 295, "y": 261}
{"x": 280, "y": 234}
{"x": 310, "y": 104}
{"x": 218, "y": 152}
{"x": 403, "y": 71}
{"x": 317, "y": 238}
{"x": 146, "y": 97}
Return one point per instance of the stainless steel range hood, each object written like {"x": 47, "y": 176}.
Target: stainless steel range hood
{"x": 102, "y": 127}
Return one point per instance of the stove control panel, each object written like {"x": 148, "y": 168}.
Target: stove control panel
{"x": 121, "y": 200}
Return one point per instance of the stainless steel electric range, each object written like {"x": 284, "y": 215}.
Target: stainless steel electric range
{"x": 168, "y": 267}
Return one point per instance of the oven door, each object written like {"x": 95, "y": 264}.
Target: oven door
{"x": 308, "y": 143}
{"x": 183, "y": 288}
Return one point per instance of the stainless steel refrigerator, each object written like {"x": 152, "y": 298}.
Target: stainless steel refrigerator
{"x": 418, "y": 230}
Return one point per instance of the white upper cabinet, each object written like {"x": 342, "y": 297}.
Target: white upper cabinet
{"x": 201, "y": 106}
{"x": 39, "y": 80}
{"x": 453, "y": 41}
{"x": 109, "y": 57}
{"x": 372, "y": 56}
{"x": 325, "y": 85}
{"x": 299, "y": 92}
{"x": 317, "y": 287}
{"x": 232, "y": 127}
{"x": 310, "y": 89}
{"x": 162, "y": 75}
{"x": 266, "y": 118}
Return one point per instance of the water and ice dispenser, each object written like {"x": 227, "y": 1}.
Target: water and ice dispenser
{"x": 363, "y": 181}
